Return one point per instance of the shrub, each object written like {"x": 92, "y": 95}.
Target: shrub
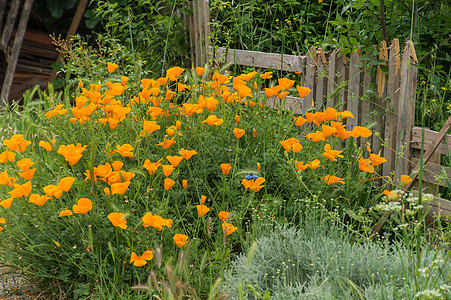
{"x": 319, "y": 262}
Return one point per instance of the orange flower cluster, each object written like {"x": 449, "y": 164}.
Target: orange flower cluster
{"x": 155, "y": 221}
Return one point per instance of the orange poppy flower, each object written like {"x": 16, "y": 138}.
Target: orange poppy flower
{"x": 202, "y": 210}
{"x": 225, "y": 168}
{"x": 316, "y": 136}
{"x": 328, "y": 130}
{"x": 139, "y": 261}
{"x": 6, "y": 203}
{"x": 27, "y": 175}
{"x": 46, "y": 145}
{"x": 174, "y": 72}
{"x": 238, "y": 132}
{"x": 331, "y": 154}
{"x": 167, "y": 169}
{"x": 253, "y": 184}
{"x": 119, "y": 187}
{"x": 118, "y": 220}
{"x": 300, "y": 121}
{"x": 405, "y": 180}
{"x": 65, "y": 213}
{"x": 71, "y": 153}
{"x": 168, "y": 183}
{"x": 303, "y": 91}
{"x": 167, "y": 143}
{"x": 174, "y": 160}
{"x": 111, "y": 67}
{"x": 83, "y": 206}
{"x": 190, "y": 109}
{"x": 125, "y": 150}
{"x": 244, "y": 91}
{"x": 155, "y": 221}
{"x": 266, "y": 75}
{"x": 184, "y": 183}
{"x": 17, "y": 143}
{"x": 38, "y": 199}
{"x": 223, "y": 215}
{"x": 288, "y": 143}
{"x": 329, "y": 179}
{"x": 187, "y": 154}
{"x": 376, "y": 159}
{"x": 228, "y": 228}
{"x": 149, "y": 127}
{"x": 285, "y": 83}
{"x": 237, "y": 119}
{"x": 200, "y": 71}
{"x": 151, "y": 167}
{"x": 365, "y": 165}
{"x": 180, "y": 240}
{"x": 213, "y": 120}
{"x": 299, "y": 166}
{"x": 314, "y": 164}
{"x": 360, "y": 131}
{"x": 330, "y": 114}
{"x": 21, "y": 190}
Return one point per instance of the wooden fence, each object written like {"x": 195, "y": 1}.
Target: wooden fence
{"x": 338, "y": 80}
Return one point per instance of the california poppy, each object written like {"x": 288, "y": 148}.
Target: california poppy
{"x": 223, "y": 215}
{"x": 65, "y": 213}
{"x": 168, "y": 183}
{"x": 83, "y": 206}
{"x": 174, "y": 160}
{"x": 38, "y": 199}
{"x": 118, "y": 220}
{"x": 187, "y": 154}
{"x": 228, "y": 228}
{"x": 139, "y": 261}
{"x": 365, "y": 165}
{"x": 180, "y": 240}
{"x": 202, "y": 210}
{"x": 238, "y": 132}
{"x": 329, "y": 179}
{"x": 405, "y": 180}
{"x": 111, "y": 67}
{"x": 226, "y": 168}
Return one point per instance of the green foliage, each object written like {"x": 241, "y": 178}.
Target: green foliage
{"x": 319, "y": 262}
{"x": 152, "y": 29}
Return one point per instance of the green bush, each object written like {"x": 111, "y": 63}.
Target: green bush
{"x": 318, "y": 261}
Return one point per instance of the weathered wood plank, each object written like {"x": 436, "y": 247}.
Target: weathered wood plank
{"x": 321, "y": 82}
{"x": 332, "y": 80}
{"x": 294, "y": 104}
{"x": 15, "y": 51}
{"x": 391, "y": 107}
{"x": 9, "y": 24}
{"x": 406, "y": 109}
{"x": 354, "y": 91}
{"x": 430, "y": 170}
{"x": 260, "y": 59}
{"x": 2, "y": 11}
{"x": 310, "y": 75}
{"x": 342, "y": 69}
{"x": 196, "y": 35}
{"x": 444, "y": 147}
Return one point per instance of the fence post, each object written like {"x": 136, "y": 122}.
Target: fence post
{"x": 354, "y": 90}
{"x": 406, "y": 109}
{"x": 391, "y": 107}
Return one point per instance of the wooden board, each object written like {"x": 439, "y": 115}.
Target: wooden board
{"x": 259, "y": 59}
{"x": 429, "y": 136}
{"x": 391, "y": 108}
{"x": 430, "y": 170}
{"x": 354, "y": 91}
{"x": 406, "y": 110}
